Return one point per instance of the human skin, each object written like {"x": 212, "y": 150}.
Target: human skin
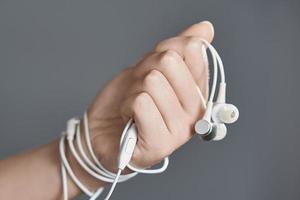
{"x": 159, "y": 92}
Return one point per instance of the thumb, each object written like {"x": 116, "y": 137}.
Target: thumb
{"x": 203, "y": 29}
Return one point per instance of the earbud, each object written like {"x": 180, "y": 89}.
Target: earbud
{"x": 225, "y": 113}
{"x": 218, "y": 112}
{"x": 219, "y": 132}
{"x": 210, "y": 131}
{"x": 203, "y": 127}
{"x": 221, "y": 114}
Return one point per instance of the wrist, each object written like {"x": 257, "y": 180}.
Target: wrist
{"x": 105, "y": 138}
{"x": 89, "y": 181}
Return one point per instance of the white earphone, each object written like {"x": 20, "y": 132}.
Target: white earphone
{"x": 210, "y": 127}
{"x": 218, "y": 113}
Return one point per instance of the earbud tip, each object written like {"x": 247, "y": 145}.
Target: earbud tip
{"x": 230, "y": 114}
{"x": 220, "y": 131}
{"x": 225, "y": 113}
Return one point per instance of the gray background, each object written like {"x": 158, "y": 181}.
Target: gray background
{"x": 55, "y": 55}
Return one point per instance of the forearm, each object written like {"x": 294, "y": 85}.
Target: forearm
{"x": 36, "y": 174}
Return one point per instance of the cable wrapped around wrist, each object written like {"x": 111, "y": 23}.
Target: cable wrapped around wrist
{"x": 93, "y": 167}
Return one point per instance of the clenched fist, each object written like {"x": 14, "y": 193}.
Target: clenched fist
{"x": 160, "y": 93}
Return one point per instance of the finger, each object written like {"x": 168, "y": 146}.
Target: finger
{"x": 172, "y": 66}
{"x": 194, "y": 54}
{"x": 157, "y": 86}
{"x": 150, "y": 124}
{"x": 189, "y": 45}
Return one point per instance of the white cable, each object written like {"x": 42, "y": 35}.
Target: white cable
{"x": 151, "y": 171}
{"x": 89, "y": 145}
{"x": 221, "y": 67}
{"x": 93, "y": 167}
{"x": 93, "y": 155}
{"x": 97, "y": 194}
{"x": 217, "y": 63}
{"x": 102, "y": 175}
{"x": 64, "y": 182}
{"x": 85, "y": 167}
{"x": 69, "y": 170}
{"x": 213, "y": 51}
{"x": 113, "y": 185}
{"x": 215, "y": 72}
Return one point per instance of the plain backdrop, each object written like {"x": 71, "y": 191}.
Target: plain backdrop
{"x": 55, "y": 56}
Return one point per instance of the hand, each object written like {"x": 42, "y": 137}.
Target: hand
{"x": 160, "y": 94}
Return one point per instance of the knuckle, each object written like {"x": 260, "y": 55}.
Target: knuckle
{"x": 140, "y": 101}
{"x": 165, "y": 44}
{"x": 193, "y": 43}
{"x": 153, "y": 77}
{"x": 169, "y": 57}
